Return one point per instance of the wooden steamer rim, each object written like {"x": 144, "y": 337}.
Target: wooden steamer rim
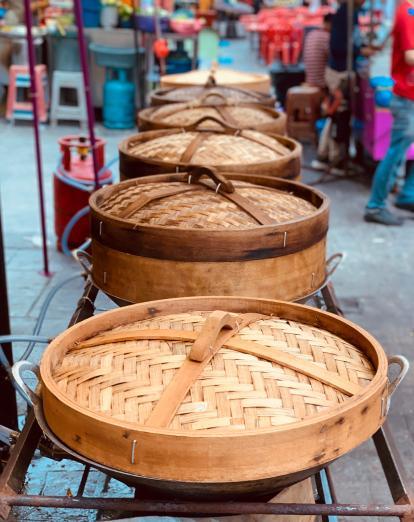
{"x": 183, "y": 244}
{"x": 259, "y": 118}
{"x": 232, "y": 94}
{"x": 215, "y": 457}
{"x": 218, "y": 76}
{"x": 136, "y": 165}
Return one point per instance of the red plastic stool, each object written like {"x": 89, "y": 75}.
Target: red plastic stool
{"x": 19, "y": 105}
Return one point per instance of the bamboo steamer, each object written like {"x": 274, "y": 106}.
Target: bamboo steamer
{"x": 215, "y": 396}
{"x": 215, "y": 94}
{"x": 222, "y": 77}
{"x": 161, "y": 237}
{"x": 229, "y": 150}
{"x": 184, "y": 115}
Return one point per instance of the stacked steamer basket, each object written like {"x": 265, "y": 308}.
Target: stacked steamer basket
{"x": 211, "y": 397}
{"x": 225, "y": 128}
{"x": 222, "y": 77}
{"x": 184, "y": 115}
{"x": 215, "y": 92}
{"x": 214, "y": 397}
{"x": 199, "y": 233}
{"x": 226, "y": 148}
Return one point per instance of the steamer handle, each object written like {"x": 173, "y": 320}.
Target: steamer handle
{"x": 333, "y": 263}
{"x": 229, "y": 129}
{"x": 80, "y": 256}
{"x": 27, "y": 393}
{"x": 204, "y": 344}
{"x": 195, "y": 173}
{"x": 211, "y": 80}
{"x": 404, "y": 365}
{"x": 201, "y": 99}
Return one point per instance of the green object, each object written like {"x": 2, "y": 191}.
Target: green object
{"x": 208, "y": 45}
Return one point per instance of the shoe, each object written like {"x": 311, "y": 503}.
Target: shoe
{"x": 405, "y": 206}
{"x": 319, "y": 165}
{"x": 382, "y": 216}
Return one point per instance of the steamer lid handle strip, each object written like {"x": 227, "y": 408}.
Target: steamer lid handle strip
{"x": 227, "y": 127}
{"x": 221, "y": 182}
{"x": 213, "y": 92}
{"x": 223, "y": 187}
{"x": 209, "y": 340}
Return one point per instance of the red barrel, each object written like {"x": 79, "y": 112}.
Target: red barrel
{"x": 76, "y": 166}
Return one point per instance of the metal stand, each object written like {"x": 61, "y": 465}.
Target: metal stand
{"x": 328, "y": 507}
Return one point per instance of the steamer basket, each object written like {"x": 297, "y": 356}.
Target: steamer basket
{"x": 215, "y": 396}
{"x": 229, "y": 150}
{"x": 184, "y": 115}
{"x": 222, "y": 77}
{"x": 215, "y": 94}
{"x": 159, "y": 237}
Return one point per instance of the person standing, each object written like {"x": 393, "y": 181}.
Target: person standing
{"x": 402, "y": 136}
{"x": 316, "y": 53}
{"x": 333, "y": 150}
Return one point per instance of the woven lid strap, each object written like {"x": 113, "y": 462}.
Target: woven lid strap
{"x": 222, "y": 183}
{"x": 209, "y": 337}
{"x": 144, "y": 199}
{"x": 275, "y": 146}
{"x": 226, "y": 115}
{"x": 225, "y": 188}
{"x": 212, "y": 92}
{"x": 306, "y": 367}
{"x": 188, "y": 373}
{"x": 211, "y": 80}
{"x": 242, "y": 202}
{"x": 249, "y": 207}
{"x": 193, "y": 146}
{"x": 226, "y": 127}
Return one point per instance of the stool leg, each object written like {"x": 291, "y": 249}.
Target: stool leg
{"x": 42, "y": 95}
{"x": 82, "y": 106}
{"x": 54, "y": 102}
{"x": 11, "y": 96}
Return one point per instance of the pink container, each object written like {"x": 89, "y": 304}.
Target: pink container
{"x": 188, "y": 27}
{"x": 377, "y": 126}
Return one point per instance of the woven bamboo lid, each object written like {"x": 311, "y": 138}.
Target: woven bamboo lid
{"x": 206, "y": 204}
{"x": 212, "y": 370}
{"x": 214, "y": 95}
{"x": 186, "y": 114}
{"x": 211, "y": 148}
{"x": 215, "y": 391}
{"x": 228, "y": 77}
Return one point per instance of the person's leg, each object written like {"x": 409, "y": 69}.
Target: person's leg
{"x": 341, "y": 136}
{"x": 387, "y": 170}
{"x": 323, "y": 146}
{"x": 406, "y": 196}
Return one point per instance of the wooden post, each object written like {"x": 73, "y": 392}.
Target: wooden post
{"x": 34, "y": 95}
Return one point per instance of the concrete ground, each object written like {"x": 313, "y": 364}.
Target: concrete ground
{"x": 374, "y": 284}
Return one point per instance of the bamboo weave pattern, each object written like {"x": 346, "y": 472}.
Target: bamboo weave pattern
{"x": 184, "y": 94}
{"x": 216, "y": 149}
{"x": 205, "y": 209}
{"x": 181, "y": 115}
{"x": 124, "y": 380}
